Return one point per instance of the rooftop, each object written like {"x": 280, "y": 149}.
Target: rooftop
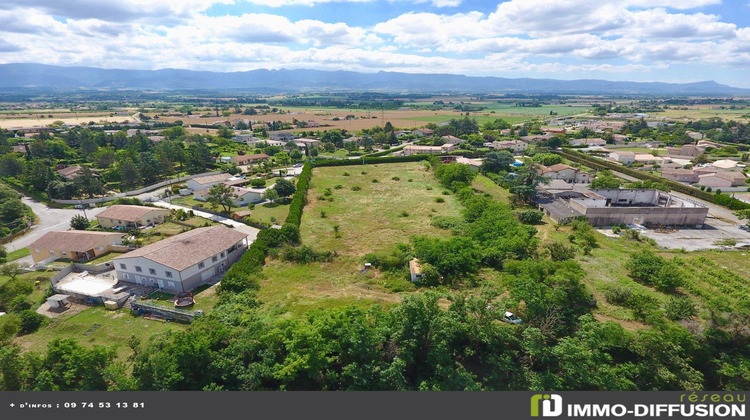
{"x": 72, "y": 240}
{"x": 187, "y": 249}
{"x": 128, "y": 213}
{"x": 210, "y": 179}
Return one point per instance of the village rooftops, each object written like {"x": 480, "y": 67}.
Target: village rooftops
{"x": 211, "y": 179}
{"x": 72, "y": 240}
{"x": 557, "y": 168}
{"x": 127, "y": 213}
{"x": 187, "y": 249}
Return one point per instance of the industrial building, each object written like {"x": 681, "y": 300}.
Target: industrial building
{"x": 609, "y": 207}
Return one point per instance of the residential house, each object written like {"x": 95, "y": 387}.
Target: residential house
{"x": 182, "y": 262}
{"x": 423, "y": 132}
{"x": 648, "y": 158}
{"x": 685, "y": 150}
{"x": 626, "y": 158}
{"x": 246, "y": 138}
{"x": 242, "y": 160}
{"x": 515, "y": 146}
{"x": 70, "y": 172}
{"x": 588, "y": 142}
{"x": 536, "y": 137}
{"x": 722, "y": 180}
{"x": 282, "y": 136}
{"x": 245, "y": 196}
{"x": 21, "y": 148}
{"x": 77, "y": 245}
{"x": 706, "y": 143}
{"x": 474, "y": 164}
{"x": 307, "y": 143}
{"x": 453, "y": 140}
{"x": 620, "y": 138}
{"x": 263, "y": 142}
{"x": 353, "y": 139}
{"x": 121, "y": 215}
{"x": 725, "y": 164}
{"x": 506, "y": 132}
{"x": 557, "y": 130}
{"x": 431, "y": 150}
{"x": 208, "y": 181}
{"x": 680, "y": 175}
{"x": 567, "y": 173}
{"x": 694, "y": 135}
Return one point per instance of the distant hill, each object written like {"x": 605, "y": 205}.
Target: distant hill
{"x": 15, "y": 76}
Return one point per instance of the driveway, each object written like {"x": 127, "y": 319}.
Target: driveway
{"x": 50, "y": 220}
{"x": 250, "y": 231}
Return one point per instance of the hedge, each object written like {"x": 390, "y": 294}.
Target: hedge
{"x": 720, "y": 199}
{"x": 300, "y": 196}
{"x": 370, "y": 160}
{"x": 386, "y": 152}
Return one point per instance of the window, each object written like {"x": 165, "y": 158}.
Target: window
{"x": 222, "y": 254}
{"x": 169, "y": 274}
{"x": 65, "y": 253}
{"x": 152, "y": 271}
{"x": 100, "y": 248}
{"x": 214, "y": 258}
{"x": 201, "y": 265}
{"x": 51, "y": 252}
{"x": 138, "y": 269}
{"x": 171, "y": 284}
{"x": 36, "y": 250}
{"x": 126, "y": 277}
{"x": 123, "y": 266}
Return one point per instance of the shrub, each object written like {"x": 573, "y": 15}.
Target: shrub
{"x": 338, "y": 187}
{"x": 356, "y": 188}
{"x": 530, "y": 217}
{"x": 558, "y": 251}
{"x": 305, "y": 254}
{"x": 680, "y": 307}
{"x": 616, "y": 229}
{"x": 258, "y": 182}
{"x": 447, "y": 222}
{"x": 322, "y": 214}
{"x": 79, "y": 222}
{"x": 618, "y": 295}
{"x": 30, "y": 321}
{"x": 374, "y": 181}
{"x": 429, "y": 188}
{"x": 439, "y": 200}
{"x": 395, "y": 178}
{"x": 346, "y": 174}
{"x": 404, "y": 214}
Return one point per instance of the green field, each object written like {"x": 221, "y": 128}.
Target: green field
{"x": 115, "y": 327}
{"x": 369, "y": 220}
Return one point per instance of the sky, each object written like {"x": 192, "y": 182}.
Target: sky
{"x": 640, "y": 40}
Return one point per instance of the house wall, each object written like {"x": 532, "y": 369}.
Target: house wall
{"x": 193, "y": 185}
{"x": 608, "y": 216}
{"x": 691, "y": 178}
{"x": 154, "y": 216}
{"x": 181, "y": 281}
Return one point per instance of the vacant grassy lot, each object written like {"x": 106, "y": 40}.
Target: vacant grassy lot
{"x": 270, "y": 213}
{"x": 374, "y": 218}
{"x": 379, "y": 215}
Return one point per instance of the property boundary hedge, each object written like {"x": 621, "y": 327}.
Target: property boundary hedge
{"x": 370, "y": 160}
{"x": 300, "y": 196}
{"x": 386, "y": 152}
{"x": 720, "y": 199}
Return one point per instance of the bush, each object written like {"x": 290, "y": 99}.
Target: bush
{"x": 680, "y": 307}
{"x": 305, "y": 254}
{"x": 346, "y": 174}
{"x": 356, "y": 188}
{"x": 652, "y": 270}
{"x": 395, "y": 178}
{"x": 618, "y": 295}
{"x": 374, "y": 181}
{"x": 558, "y": 251}
{"x": 258, "y": 183}
{"x": 338, "y": 187}
{"x": 404, "y": 214}
{"x": 79, "y": 222}
{"x": 439, "y": 200}
{"x": 530, "y": 217}
{"x": 30, "y": 321}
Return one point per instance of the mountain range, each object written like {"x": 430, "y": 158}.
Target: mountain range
{"x": 40, "y": 76}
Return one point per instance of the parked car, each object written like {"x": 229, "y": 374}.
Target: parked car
{"x": 297, "y": 165}
{"x": 511, "y": 318}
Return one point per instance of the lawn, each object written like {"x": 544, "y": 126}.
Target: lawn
{"x": 17, "y": 254}
{"x": 369, "y": 220}
{"x": 269, "y": 212}
{"x": 115, "y": 327}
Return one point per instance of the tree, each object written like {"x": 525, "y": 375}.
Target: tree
{"x": 527, "y": 178}
{"x": 653, "y": 270}
{"x": 547, "y": 159}
{"x": 11, "y": 270}
{"x": 12, "y": 209}
{"x": 129, "y": 175}
{"x": 11, "y": 165}
{"x": 88, "y": 184}
{"x": 497, "y": 161}
{"x": 257, "y": 182}
{"x": 271, "y": 194}
{"x": 38, "y": 174}
{"x": 79, "y": 222}
{"x": 605, "y": 180}
{"x": 558, "y": 251}
{"x": 225, "y": 132}
{"x": 530, "y": 217}
{"x": 284, "y": 187}
{"x": 454, "y": 174}
{"x": 221, "y": 195}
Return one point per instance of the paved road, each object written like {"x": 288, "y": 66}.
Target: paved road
{"x": 49, "y": 220}
{"x": 250, "y": 231}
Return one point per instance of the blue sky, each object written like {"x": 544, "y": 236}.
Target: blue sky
{"x": 640, "y": 40}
